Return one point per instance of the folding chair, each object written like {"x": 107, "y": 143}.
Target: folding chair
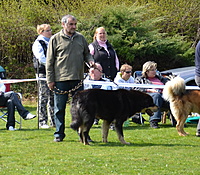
{"x": 4, "y": 110}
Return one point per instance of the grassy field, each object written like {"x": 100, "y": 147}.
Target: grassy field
{"x": 152, "y": 151}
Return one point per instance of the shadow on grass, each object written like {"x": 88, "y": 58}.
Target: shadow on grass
{"x": 39, "y": 130}
{"x": 146, "y": 126}
{"x": 118, "y": 144}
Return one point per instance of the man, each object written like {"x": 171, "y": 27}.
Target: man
{"x": 11, "y": 100}
{"x": 66, "y": 53}
{"x": 46, "y": 97}
{"x": 95, "y": 74}
{"x": 197, "y": 77}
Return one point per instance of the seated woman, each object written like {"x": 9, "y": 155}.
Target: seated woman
{"x": 11, "y": 100}
{"x": 149, "y": 76}
{"x": 124, "y": 76}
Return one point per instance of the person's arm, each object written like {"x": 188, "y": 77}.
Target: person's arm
{"x": 87, "y": 55}
{"x": 91, "y": 48}
{"x": 116, "y": 61}
{"x": 152, "y": 90}
{"x": 2, "y": 88}
{"x": 140, "y": 80}
{"x": 38, "y": 52}
{"x": 50, "y": 61}
{"x": 51, "y": 85}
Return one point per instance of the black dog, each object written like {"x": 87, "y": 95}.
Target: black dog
{"x": 108, "y": 105}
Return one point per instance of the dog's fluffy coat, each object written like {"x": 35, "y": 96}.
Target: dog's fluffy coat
{"x": 182, "y": 102}
{"x": 108, "y": 105}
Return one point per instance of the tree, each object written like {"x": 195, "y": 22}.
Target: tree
{"x": 137, "y": 39}
{"x": 180, "y": 16}
{"x": 139, "y": 30}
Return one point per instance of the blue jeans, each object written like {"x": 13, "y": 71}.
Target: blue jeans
{"x": 198, "y": 126}
{"x": 158, "y": 100}
{"x": 11, "y": 100}
{"x": 60, "y": 101}
{"x": 197, "y": 80}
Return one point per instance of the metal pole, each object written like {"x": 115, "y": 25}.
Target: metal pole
{"x": 38, "y": 88}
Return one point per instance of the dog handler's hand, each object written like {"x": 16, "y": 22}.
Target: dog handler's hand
{"x": 92, "y": 63}
{"x": 51, "y": 85}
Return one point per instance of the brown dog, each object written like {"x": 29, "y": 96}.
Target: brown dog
{"x": 182, "y": 102}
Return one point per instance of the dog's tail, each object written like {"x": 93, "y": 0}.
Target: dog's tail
{"x": 76, "y": 118}
{"x": 76, "y": 122}
{"x": 174, "y": 88}
{"x": 75, "y": 125}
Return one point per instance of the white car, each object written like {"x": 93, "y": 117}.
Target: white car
{"x": 187, "y": 73}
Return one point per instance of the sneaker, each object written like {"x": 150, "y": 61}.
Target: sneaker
{"x": 112, "y": 126}
{"x": 198, "y": 134}
{"x": 138, "y": 119}
{"x": 44, "y": 126}
{"x": 58, "y": 139}
{"x": 154, "y": 124}
{"x": 89, "y": 139}
{"x": 29, "y": 116}
{"x": 96, "y": 122}
{"x": 11, "y": 128}
{"x": 52, "y": 126}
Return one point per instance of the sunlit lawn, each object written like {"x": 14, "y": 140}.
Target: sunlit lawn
{"x": 152, "y": 151}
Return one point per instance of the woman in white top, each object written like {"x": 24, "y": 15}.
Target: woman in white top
{"x": 125, "y": 75}
{"x": 46, "y": 97}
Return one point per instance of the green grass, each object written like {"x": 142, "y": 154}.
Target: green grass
{"x": 152, "y": 151}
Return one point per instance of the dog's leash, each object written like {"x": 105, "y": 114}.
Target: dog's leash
{"x": 61, "y": 92}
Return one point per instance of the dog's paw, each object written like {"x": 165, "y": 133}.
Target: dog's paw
{"x": 86, "y": 143}
{"x": 187, "y": 133}
{"x": 125, "y": 143}
{"x": 183, "y": 134}
{"x": 105, "y": 140}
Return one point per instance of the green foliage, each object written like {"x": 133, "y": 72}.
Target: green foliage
{"x": 181, "y": 16}
{"x": 18, "y": 21}
{"x": 139, "y": 30}
{"x": 88, "y": 8}
{"x": 137, "y": 40}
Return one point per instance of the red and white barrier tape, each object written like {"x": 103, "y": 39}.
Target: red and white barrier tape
{"x": 100, "y": 83}
{"x": 133, "y": 85}
{"x": 16, "y": 80}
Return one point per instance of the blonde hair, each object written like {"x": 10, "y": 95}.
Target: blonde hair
{"x": 124, "y": 67}
{"x": 96, "y": 31}
{"x": 148, "y": 66}
{"x": 42, "y": 27}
